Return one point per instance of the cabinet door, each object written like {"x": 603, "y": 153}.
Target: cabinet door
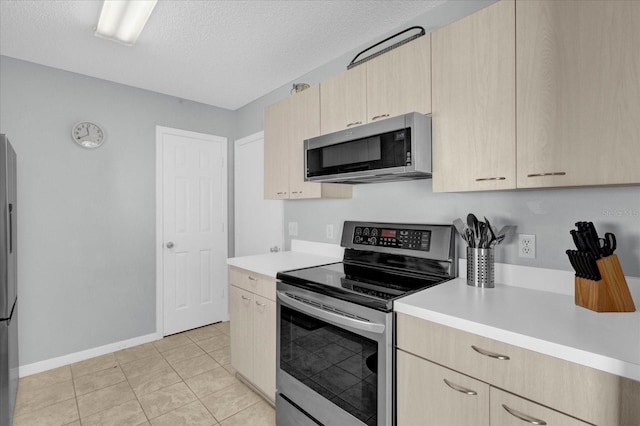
{"x": 241, "y": 320}
{"x": 303, "y": 123}
{"x": 432, "y": 395}
{"x": 399, "y": 81}
{"x": 276, "y": 151}
{"x": 474, "y": 127}
{"x": 264, "y": 344}
{"x": 578, "y": 94}
{"x": 343, "y": 100}
{"x": 511, "y": 410}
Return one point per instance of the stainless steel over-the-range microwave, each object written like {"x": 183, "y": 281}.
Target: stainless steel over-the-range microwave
{"x": 396, "y": 148}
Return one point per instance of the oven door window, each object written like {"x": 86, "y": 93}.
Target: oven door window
{"x": 337, "y": 364}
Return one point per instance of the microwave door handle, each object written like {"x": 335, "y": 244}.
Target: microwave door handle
{"x": 330, "y": 316}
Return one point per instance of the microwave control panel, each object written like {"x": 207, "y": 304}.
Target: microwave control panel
{"x": 408, "y": 239}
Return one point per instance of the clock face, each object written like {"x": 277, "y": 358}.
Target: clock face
{"x": 88, "y": 135}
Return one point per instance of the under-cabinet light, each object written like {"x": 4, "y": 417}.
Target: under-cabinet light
{"x": 123, "y": 20}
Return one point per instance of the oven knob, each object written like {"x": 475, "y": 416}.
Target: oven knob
{"x": 358, "y": 240}
{"x": 373, "y": 241}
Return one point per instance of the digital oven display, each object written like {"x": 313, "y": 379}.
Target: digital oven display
{"x": 388, "y": 233}
{"x": 408, "y": 239}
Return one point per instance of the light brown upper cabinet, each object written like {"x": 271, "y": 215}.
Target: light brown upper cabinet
{"x": 399, "y": 81}
{"x": 578, "y": 93}
{"x": 276, "y": 151}
{"x": 287, "y": 124}
{"x": 394, "y": 83}
{"x": 343, "y": 100}
{"x": 474, "y": 117}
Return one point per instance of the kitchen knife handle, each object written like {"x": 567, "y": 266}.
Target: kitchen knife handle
{"x": 490, "y": 354}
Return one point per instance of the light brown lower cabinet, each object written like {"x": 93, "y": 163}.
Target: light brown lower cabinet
{"x": 429, "y": 394}
{"x": 538, "y": 387}
{"x": 252, "y": 312}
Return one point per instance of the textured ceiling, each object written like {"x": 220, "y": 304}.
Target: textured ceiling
{"x": 221, "y": 53}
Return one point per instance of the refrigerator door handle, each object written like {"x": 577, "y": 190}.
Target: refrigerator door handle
{"x": 10, "y": 228}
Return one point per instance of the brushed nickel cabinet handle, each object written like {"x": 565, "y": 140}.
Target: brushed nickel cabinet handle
{"x": 281, "y": 193}
{"x": 523, "y": 416}
{"x": 547, "y": 174}
{"x": 490, "y": 354}
{"x": 252, "y": 279}
{"x": 379, "y": 116}
{"x": 491, "y": 178}
{"x": 246, "y": 298}
{"x": 260, "y": 304}
{"x": 459, "y": 388}
{"x": 355, "y": 123}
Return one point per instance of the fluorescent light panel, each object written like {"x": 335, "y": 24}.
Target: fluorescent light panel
{"x": 123, "y": 20}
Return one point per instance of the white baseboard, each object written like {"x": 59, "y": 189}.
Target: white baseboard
{"x": 40, "y": 366}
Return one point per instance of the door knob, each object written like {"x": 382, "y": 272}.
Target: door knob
{"x": 169, "y": 245}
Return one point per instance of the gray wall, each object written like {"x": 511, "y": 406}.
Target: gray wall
{"x": 87, "y": 217}
{"x": 549, "y": 214}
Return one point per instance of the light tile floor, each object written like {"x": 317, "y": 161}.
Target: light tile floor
{"x": 184, "y": 379}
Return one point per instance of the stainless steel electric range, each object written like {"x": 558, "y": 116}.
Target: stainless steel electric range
{"x": 335, "y": 330}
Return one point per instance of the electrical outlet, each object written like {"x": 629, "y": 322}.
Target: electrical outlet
{"x": 293, "y": 229}
{"x": 527, "y": 246}
{"x": 330, "y": 231}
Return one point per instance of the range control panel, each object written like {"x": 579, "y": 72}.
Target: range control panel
{"x": 408, "y": 239}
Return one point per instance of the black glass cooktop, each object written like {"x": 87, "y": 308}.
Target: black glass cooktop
{"x": 364, "y": 285}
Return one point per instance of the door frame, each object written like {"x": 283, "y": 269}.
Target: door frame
{"x": 160, "y": 132}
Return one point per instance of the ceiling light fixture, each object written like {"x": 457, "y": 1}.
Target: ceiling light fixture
{"x": 123, "y": 20}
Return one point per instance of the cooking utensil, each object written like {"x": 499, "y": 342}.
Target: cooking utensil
{"x": 472, "y": 222}
{"x": 460, "y": 227}
{"x": 491, "y": 233}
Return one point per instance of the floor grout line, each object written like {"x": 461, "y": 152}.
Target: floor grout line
{"x": 220, "y": 333}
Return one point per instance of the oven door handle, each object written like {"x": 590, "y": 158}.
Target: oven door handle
{"x": 330, "y": 316}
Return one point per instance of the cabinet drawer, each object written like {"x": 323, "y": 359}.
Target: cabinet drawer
{"x": 427, "y": 391}
{"x": 511, "y": 410}
{"x": 586, "y": 393}
{"x": 256, "y": 283}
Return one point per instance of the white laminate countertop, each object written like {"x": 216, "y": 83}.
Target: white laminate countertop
{"x": 545, "y": 322}
{"x": 270, "y": 264}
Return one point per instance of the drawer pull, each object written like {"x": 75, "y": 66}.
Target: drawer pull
{"x": 547, "y": 174}
{"x": 459, "y": 388}
{"x": 355, "y": 123}
{"x": 491, "y": 178}
{"x": 252, "y": 279}
{"x": 490, "y": 354}
{"x": 260, "y": 304}
{"x": 246, "y": 298}
{"x": 379, "y": 116}
{"x": 523, "y": 416}
{"x": 281, "y": 193}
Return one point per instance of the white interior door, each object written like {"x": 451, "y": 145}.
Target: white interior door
{"x": 258, "y": 222}
{"x": 193, "y": 231}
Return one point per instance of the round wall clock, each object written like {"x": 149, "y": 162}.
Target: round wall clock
{"x": 88, "y": 135}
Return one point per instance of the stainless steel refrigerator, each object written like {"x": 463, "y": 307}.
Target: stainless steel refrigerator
{"x": 8, "y": 283}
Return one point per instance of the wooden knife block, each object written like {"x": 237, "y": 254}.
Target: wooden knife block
{"x": 610, "y": 294}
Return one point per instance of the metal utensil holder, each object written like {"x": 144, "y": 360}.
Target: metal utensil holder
{"x": 480, "y": 267}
